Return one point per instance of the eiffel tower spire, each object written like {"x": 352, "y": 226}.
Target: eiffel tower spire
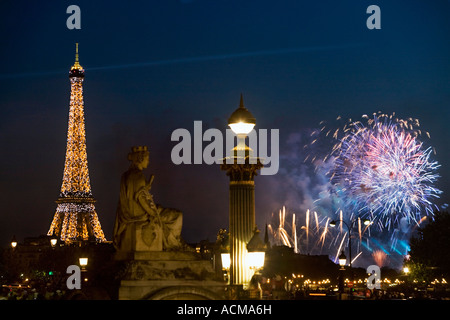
{"x": 75, "y": 219}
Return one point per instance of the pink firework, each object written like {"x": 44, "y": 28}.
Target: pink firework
{"x": 380, "y": 257}
{"x": 383, "y": 170}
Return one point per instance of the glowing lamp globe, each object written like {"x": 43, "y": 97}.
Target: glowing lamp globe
{"x": 226, "y": 261}
{"x": 256, "y": 259}
{"x": 53, "y": 240}
{"x": 241, "y": 128}
{"x": 83, "y": 262}
{"x": 14, "y": 242}
{"x": 241, "y": 120}
{"x": 342, "y": 259}
{"x": 256, "y": 251}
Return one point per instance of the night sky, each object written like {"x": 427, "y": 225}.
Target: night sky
{"x": 155, "y": 66}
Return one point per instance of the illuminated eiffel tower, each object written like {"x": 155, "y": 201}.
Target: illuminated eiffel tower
{"x": 75, "y": 219}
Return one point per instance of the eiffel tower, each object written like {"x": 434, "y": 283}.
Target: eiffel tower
{"x": 75, "y": 219}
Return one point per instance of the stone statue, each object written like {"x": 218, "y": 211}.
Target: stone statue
{"x": 142, "y": 225}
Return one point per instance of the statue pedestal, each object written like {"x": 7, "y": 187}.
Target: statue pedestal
{"x": 172, "y": 275}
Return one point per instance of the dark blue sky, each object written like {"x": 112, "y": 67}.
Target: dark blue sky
{"x": 154, "y": 66}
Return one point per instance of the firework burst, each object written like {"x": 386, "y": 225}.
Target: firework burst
{"x": 380, "y": 257}
{"x": 383, "y": 170}
{"x": 314, "y": 235}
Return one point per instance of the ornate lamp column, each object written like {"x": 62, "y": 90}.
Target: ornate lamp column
{"x": 241, "y": 167}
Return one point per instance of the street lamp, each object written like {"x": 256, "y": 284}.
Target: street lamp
{"x": 256, "y": 259}
{"x": 241, "y": 120}
{"x": 53, "y": 240}
{"x": 241, "y": 168}
{"x": 83, "y": 262}
{"x": 342, "y": 260}
{"x": 13, "y": 242}
{"x": 349, "y": 228}
{"x": 256, "y": 251}
{"x": 224, "y": 249}
{"x": 225, "y": 257}
{"x": 366, "y": 222}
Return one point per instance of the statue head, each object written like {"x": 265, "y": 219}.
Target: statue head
{"x": 139, "y": 157}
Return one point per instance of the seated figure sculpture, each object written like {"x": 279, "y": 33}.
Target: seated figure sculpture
{"x": 142, "y": 225}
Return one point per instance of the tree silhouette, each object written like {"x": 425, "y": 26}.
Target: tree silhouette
{"x": 430, "y": 248}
